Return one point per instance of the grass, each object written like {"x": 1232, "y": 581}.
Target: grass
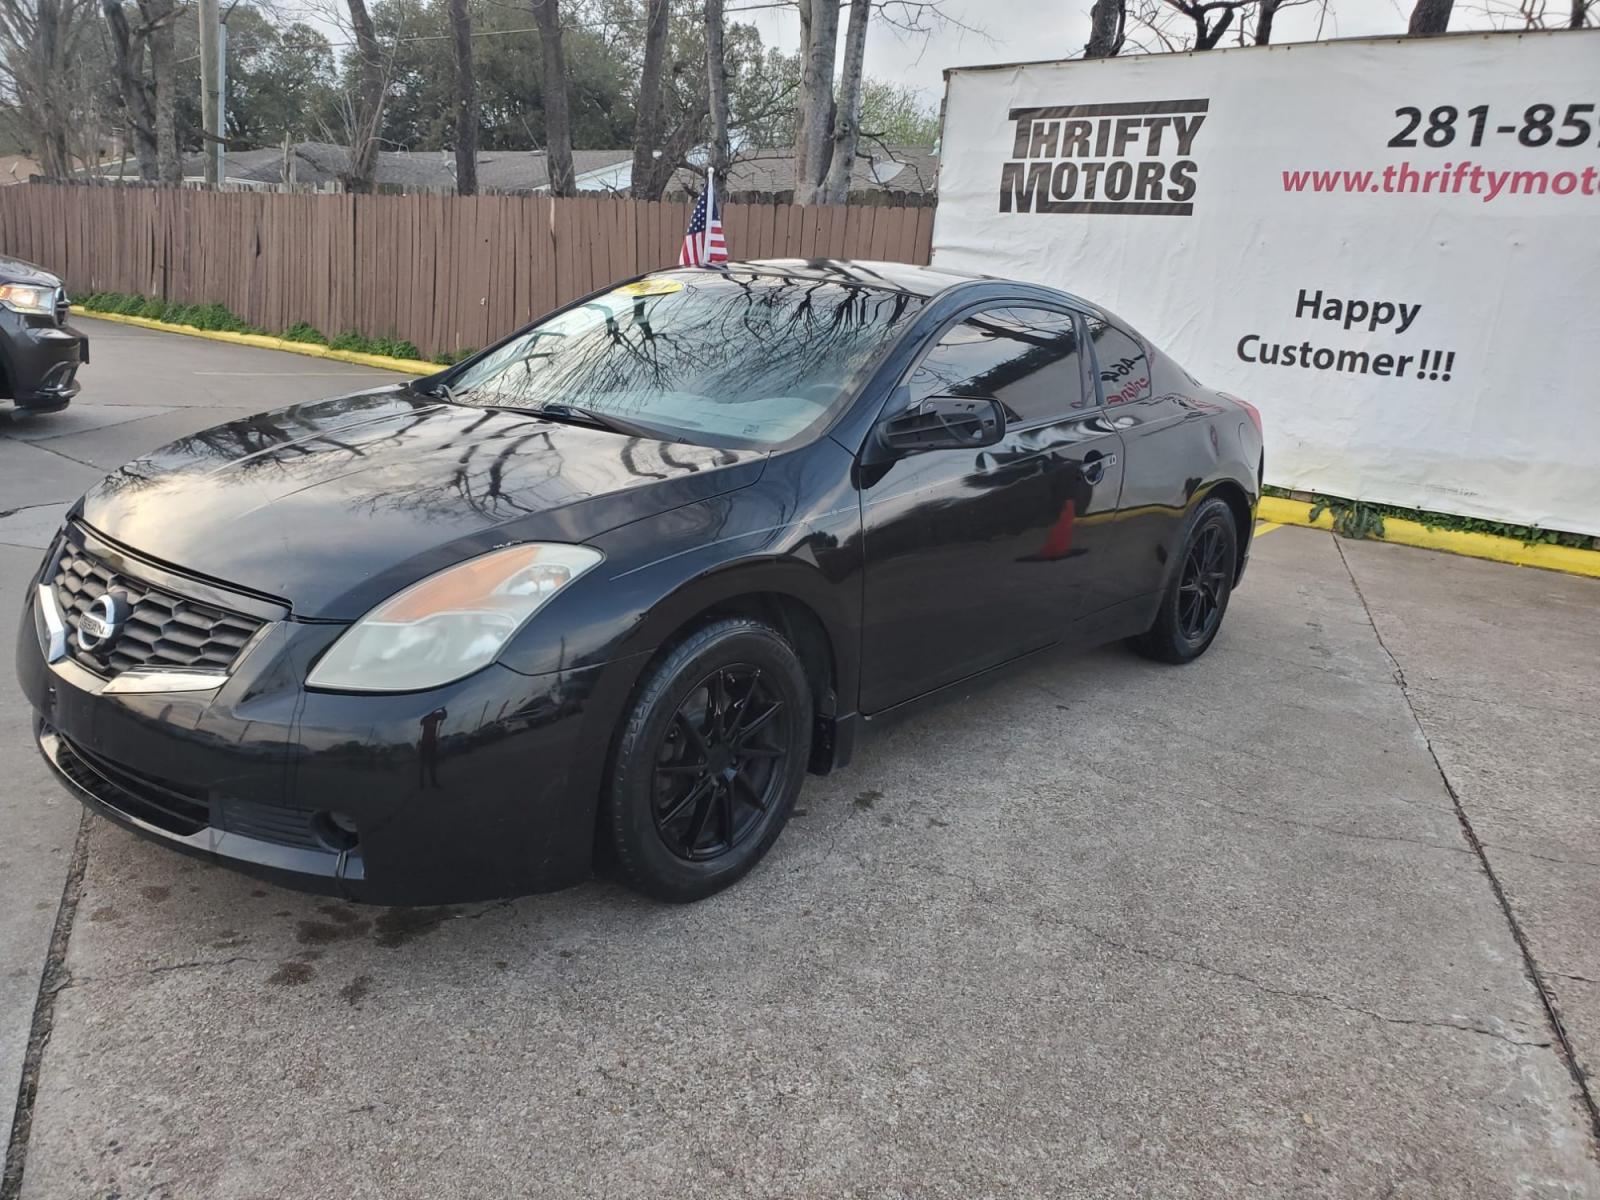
{"x": 218, "y": 318}
{"x": 1360, "y": 519}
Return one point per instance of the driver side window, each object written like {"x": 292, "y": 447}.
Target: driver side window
{"x": 1029, "y": 359}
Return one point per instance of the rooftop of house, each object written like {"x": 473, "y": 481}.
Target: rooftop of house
{"x": 895, "y": 169}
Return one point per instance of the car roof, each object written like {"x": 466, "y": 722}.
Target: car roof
{"x": 900, "y": 277}
{"x": 926, "y": 282}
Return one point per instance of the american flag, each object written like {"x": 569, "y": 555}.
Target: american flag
{"x": 704, "y": 243}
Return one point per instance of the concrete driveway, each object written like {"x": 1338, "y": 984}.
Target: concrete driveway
{"x": 1314, "y": 916}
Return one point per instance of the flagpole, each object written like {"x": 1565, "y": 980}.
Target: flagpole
{"x": 711, "y": 212}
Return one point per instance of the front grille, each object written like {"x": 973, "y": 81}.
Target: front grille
{"x": 162, "y": 630}
{"x": 157, "y": 802}
{"x": 269, "y": 823}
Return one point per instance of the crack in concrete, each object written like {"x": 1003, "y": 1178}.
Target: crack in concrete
{"x": 1314, "y": 774}
{"x": 66, "y": 433}
{"x": 52, "y": 980}
{"x": 1329, "y": 829}
{"x": 200, "y": 962}
{"x": 82, "y": 462}
{"x": 1550, "y": 858}
{"x": 1530, "y": 964}
{"x": 83, "y": 981}
{"x": 1574, "y": 978}
{"x": 1332, "y": 830}
{"x": 1046, "y": 917}
{"x": 1291, "y": 993}
{"x": 11, "y": 512}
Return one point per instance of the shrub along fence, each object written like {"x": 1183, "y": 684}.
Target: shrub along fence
{"x": 443, "y": 272}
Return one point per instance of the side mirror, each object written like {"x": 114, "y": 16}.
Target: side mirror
{"x": 945, "y": 423}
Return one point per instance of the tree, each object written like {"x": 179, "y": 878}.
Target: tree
{"x": 1264, "y": 16}
{"x": 466, "y": 139}
{"x": 363, "y": 106}
{"x": 1107, "y": 21}
{"x": 717, "y": 91}
{"x": 1430, "y": 16}
{"x": 508, "y": 74}
{"x": 279, "y": 81}
{"x": 138, "y": 107}
{"x": 557, "y": 121}
{"x": 650, "y": 173}
{"x": 160, "y": 17}
{"x": 762, "y": 88}
{"x": 819, "y": 40}
{"x": 1175, "y": 25}
{"x": 847, "y": 110}
{"x": 40, "y": 41}
{"x": 896, "y": 115}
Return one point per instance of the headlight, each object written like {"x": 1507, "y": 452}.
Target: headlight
{"x": 451, "y": 624}
{"x": 24, "y": 299}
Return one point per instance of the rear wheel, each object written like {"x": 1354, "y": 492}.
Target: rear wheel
{"x": 1197, "y": 597}
{"x": 709, "y": 761}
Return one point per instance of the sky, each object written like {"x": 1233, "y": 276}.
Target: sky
{"x": 997, "y": 31}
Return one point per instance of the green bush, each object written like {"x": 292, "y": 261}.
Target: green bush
{"x": 395, "y": 348}
{"x": 390, "y": 347}
{"x": 1355, "y": 518}
{"x": 217, "y": 317}
{"x": 300, "y": 331}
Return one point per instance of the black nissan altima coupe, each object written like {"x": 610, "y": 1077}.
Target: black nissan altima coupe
{"x": 605, "y": 592}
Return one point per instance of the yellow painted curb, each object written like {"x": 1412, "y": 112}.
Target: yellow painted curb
{"x": 1451, "y": 541}
{"x": 262, "y": 341}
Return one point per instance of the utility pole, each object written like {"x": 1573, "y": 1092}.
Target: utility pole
{"x": 222, "y": 96}
{"x": 210, "y": 92}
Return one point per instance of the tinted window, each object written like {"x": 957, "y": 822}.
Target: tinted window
{"x": 1026, "y": 358}
{"x": 1124, "y": 367}
{"x": 724, "y": 359}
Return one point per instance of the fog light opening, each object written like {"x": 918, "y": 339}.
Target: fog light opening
{"x": 335, "y": 830}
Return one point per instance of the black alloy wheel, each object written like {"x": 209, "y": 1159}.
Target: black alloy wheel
{"x": 1197, "y": 595}
{"x": 1203, "y": 584}
{"x": 708, "y": 761}
{"x": 720, "y": 766}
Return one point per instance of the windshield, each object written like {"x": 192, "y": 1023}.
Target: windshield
{"x": 722, "y": 359}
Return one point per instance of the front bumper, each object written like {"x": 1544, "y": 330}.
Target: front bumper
{"x": 41, "y": 361}
{"x": 482, "y": 789}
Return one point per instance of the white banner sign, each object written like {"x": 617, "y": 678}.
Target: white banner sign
{"x": 1391, "y": 247}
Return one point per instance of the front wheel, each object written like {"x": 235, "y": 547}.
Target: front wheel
{"x": 709, "y": 761}
{"x": 1197, "y": 597}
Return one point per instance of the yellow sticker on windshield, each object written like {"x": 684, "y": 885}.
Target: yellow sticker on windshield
{"x": 649, "y": 287}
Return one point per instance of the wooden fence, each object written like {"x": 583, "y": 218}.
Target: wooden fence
{"x": 443, "y": 272}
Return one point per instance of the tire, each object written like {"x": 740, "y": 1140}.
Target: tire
{"x": 1201, "y": 580}
{"x": 689, "y": 806}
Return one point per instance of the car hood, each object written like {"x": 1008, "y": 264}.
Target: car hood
{"x": 333, "y": 506}
{"x": 15, "y": 270}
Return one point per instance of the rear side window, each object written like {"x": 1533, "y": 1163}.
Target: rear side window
{"x": 1124, "y": 366}
{"x": 1029, "y": 359}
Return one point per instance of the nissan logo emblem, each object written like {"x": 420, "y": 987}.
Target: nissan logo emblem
{"x": 100, "y": 625}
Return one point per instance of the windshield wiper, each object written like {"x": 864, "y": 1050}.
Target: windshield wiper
{"x": 559, "y": 411}
{"x": 440, "y": 390}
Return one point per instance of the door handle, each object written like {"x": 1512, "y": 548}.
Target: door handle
{"x": 1094, "y": 469}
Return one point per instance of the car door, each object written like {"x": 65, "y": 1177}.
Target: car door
{"x": 975, "y": 556}
{"x": 1159, "y": 462}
